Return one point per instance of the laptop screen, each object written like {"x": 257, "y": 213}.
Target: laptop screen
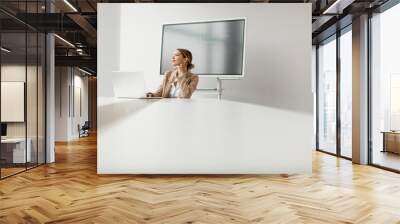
{"x": 3, "y": 129}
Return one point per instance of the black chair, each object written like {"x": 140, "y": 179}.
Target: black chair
{"x": 84, "y": 130}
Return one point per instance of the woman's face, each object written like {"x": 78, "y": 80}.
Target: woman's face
{"x": 178, "y": 59}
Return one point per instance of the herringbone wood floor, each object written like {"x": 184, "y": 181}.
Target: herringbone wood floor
{"x": 70, "y": 191}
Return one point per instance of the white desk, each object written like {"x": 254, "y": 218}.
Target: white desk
{"x": 18, "y": 150}
{"x": 200, "y": 136}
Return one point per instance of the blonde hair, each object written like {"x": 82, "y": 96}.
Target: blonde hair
{"x": 187, "y": 54}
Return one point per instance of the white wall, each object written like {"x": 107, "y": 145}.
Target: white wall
{"x": 278, "y": 53}
{"x": 80, "y": 83}
{"x": 67, "y": 80}
{"x": 15, "y": 72}
{"x": 61, "y": 103}
{"x": 12, "y": 73}
{"x": 33, "y": 127}
{"x": 109, "y": 17}
{"x": 278, "y": 48}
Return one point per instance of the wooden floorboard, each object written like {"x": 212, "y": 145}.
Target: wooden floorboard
{"x": 70, "y": 191}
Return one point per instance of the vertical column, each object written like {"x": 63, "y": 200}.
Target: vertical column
{"x": 338, "y": 99}
{"x": 92, "y": 99}
{"x": 360, "y": 90}
{"x": 63, "y": 101}
{"x": 50, "y": 92}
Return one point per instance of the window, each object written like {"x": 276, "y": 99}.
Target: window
{"x": 327, "y": 96}
{"x": 385, "y": 89}
{"x": 346, "y": 75}
{"x": 334, "y": 106}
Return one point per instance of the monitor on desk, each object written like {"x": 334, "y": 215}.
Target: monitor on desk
{"x": 3, "y": 130}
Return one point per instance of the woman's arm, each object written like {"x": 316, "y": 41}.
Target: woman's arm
{"x": 189, "y": 87}
{"x": 158, "y": 92}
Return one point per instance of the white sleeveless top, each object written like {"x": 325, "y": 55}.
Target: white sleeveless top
{"x": 175, "y": 90}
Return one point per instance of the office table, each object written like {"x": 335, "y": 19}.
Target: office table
{"x": 391, "y": 141}
{"x": 13, "y": 150}
{"x": 200, "y": 136}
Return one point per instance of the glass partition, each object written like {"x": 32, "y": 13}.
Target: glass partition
{"x": 385, "y": 89}
{"x": 346, "y": 93}
{"x": 22, "y": 101}
{"x": 327, "y": 96}
{"x": 334, "y": 94}
{"x": 13, "y": 109}
{"x": 32, "y": 95}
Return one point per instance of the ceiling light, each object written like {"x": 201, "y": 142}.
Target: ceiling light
{"x": 70, "y": 5}
{"x": 84, "y": 71}
{"x": 65, "y": 41}
{"x": 5, "y": 50}
{"x": 338, "y": 6}
{"x": 326, "y": 11}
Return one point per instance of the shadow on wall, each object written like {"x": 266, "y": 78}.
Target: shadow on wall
{"x": 256, "y": 90}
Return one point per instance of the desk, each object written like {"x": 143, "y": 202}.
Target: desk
{"x": 201, "y": 136}
{"x": 15, "y": 148}
{"x": 391, "y": 141}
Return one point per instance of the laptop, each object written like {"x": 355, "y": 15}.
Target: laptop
{"x": 130, "y": 85}
{"x": 3, "y": 131}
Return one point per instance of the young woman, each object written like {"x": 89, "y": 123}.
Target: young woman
{"x": 180, "y": 82}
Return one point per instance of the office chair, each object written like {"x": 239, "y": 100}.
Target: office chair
{"x": 84, "y": 130}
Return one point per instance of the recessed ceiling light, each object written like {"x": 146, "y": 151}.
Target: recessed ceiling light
{"x": 70, "y": 5}
{"x": 5, "y": 50}
{"x": 64, "y": 40}
{"x": 84, "y": 71}
{"x": 338, "y": 6}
